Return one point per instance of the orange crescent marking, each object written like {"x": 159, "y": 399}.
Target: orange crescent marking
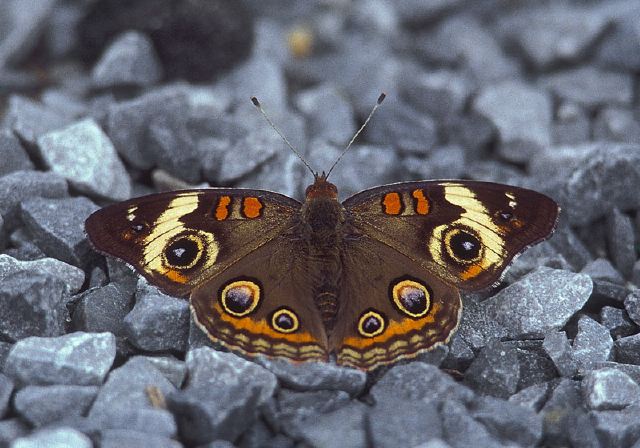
{"x": 394, "y": 329}
{"x": 472, "y": 271}
{"x": 392, "y": 203}
{"x": 175, "y": 276}
{"x": 422, "y": 203}
{"x": 222, "y": 209}
{"x": 251, "y": 207}
{"x": 261, "y": 327}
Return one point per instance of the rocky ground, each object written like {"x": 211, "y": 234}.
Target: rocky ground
{"x": 105, "y": 100}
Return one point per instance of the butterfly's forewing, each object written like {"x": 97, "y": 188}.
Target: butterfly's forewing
{"x": 391, "y": 307}
{"x": 264, "y": 305}
{"x": 464, "y": 232}
{"x": 181, "y": 239}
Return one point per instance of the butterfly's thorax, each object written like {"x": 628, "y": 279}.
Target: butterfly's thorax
{"x": 323, "y": 220}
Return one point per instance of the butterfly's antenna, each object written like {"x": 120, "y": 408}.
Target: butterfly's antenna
{"x": 256, "y": 103}
{"x": 344, "y": 151}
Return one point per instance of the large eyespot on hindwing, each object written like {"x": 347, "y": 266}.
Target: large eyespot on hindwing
{"x": 371, "y": 323}
{"x": 240, "y": 297}
{"x": 284, "y": 320}
{"x": 411, "y": 297}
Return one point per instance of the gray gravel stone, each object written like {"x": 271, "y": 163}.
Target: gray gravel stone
{"x": 617, "y": 124}
{"x": 315, "y": 376}
{"x": 83, "y": 154}
{"x": 609, "y": 389}
{"x": 417, "y": 381}
{"x": 540, "y": 302}
{"x": 619, "y": 48}
{"x": 635, "y": 274}
{"x": 557, "y": 34}
{"x": 157, "y": 322}
{"x": 617, "y": 429}
{"x": 61, "y": 437}
{"x": 440, "y": 94}
{"x": 602, "y": 269}
{"x": 127, "y": 388}
{"x": 460, "y": 354}
{"x": 220, "y": 406}
{"x": 617, "y": 322}
{"x": 21, "y": 185}
{"x": 571, "y": 125}
{"x": 173, "y": 369}
{"x": 401, "y": 126}
{"x": 522, "y": 115}
{"x": 130, "y": 60}
{"x": 532, "y": 397}
{"x": 102, "y": 309}
{"x": 621, "y": 241}
{"x": 462, "y": 430}
{"x": 535, "y": 364}
{"x": 591, "y": 87}
{"x": 57, "y": 227}
{"x": 403, "y": 423}
{"x": 344, "y": 427}
{"x": 152, "y": 421}
{"x": 41, "y": 405}
{"x": 559, "y": 350}
{"x": 13, "y": 155}
{"x": 571, "y": 247}
{"x": 509, "y": 420}
{"x": 12, "y": 429}
{"x": 560, "y": 412}
{"x": 77, "y": 358}
{"x": 592, "y": 343}
{"x": 118, "y": 438}
{"x": 328, "y": 112}
{"x": 6, "y": 389}
{"x": 627, "y": 350}
{"x": 444, "y": 162}
{"x": 72, "y": 277}
{"x": 471, "y": 131}
{"x": 477, "y": 326}
{"x": 29, "y": 119}
{"x": 247, "y": 155}
{"x": 632, "y": 305}
{"x": 495, "y": 371}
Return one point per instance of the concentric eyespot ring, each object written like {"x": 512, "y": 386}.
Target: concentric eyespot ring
{"x": 463, "y": 245}
{"x": 411, "y": 297}
{"x": 284, "y": 320}
{"x": 240, "y": 298}
{"x": 371, "y": 324}
{"x": 184, "y": 251}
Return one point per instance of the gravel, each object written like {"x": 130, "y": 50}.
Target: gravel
{"x": 110, "y": 99}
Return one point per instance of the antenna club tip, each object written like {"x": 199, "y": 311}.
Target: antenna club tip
{"x": 255, "y": 101}
{"x": 381, "y": 97}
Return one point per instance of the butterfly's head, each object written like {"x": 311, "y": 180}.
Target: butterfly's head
{"x": 321, "y": 188}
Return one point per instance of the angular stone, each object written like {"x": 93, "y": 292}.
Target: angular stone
{"x": 130, "y": 60}
{"x": 247, "y": 155}
{"x": 535, "y": 364}
{"x": 173, "y": 369}
{"x": 477, "y": 327}
{"x": 403, "y": 423}
{"x": 344, "y": 427}
{"x": 418, "y": 381}
{"x": 617, "y": 429}
{"x": 54, "y": 438}
{"x": 532, "y": 397}
{"x": 13, "y": 155}
{"x": 153, "y": 421}
{"x": 129, "y": 387}
{"x": 22, "y": 29}
{"x": 509, "y": 420}
{"x": 522, "y": 115}
{"x": 592, "y": 343}
{"x": 12, "y": 429}
{"x": 461, "y": 429}
{"x": 617, "y": 124}
{"x": 560, "y": 412}
{"x": 635, "y": 274}
{"x": 559, "y": 350}
{"x": 620, "y": 48}
{"x": 83, "y": 154}
{"x": 617, "y": 321}
{"x": 29, "y": 119}
{"x": 571, "y": 247}
{"x": 118, "y": 438}
{"x": 219, "y": 406}
{"x": 609, "y": 389}
{"x": 540, "y": 302}
{"x": 72, "y": 276}
{"x": 495, "y": 371}
{"x": 591, "y": 87}
{"x": 460, "y": 355}
{"x": 571, "y": 125}
{"x": 77, "y": 358}
{"x": 329, "y": 114}
{"x": 441, "y": 94}
{"x": 602, "y": 269}
{"x": 632, "y": 305}
{"x": 401, "y": 126}
{"x": 157, "y": 322}
{"x": 444, "y": 162}
{"x": 18, "y": 186}
{"x": 57, "y": 226}
{"x": 102, "y": 309}
{"x": 315, "y": 376}
{"x": 41, "y": 405}
{"x": 6, "y": 389}
{"x": 621, "y": 241}
{"x": 627, "y": 350}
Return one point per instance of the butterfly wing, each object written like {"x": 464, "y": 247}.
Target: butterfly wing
{"x": 181, "y": 239}
{"x": 464, "y": 232}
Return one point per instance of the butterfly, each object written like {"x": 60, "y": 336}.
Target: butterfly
{"x": 366, "y": 282}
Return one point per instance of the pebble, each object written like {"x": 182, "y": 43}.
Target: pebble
{"x": 41, "y": 405}
{"x": 617, "y": 429}
{"x": 130, "y": 60}
{"x": 344, "y": 427}
{"x": 540, "y": 302}
{"x": 462, "y": 430}
{"x": 83, "y": 154}
{"x": 57, "y": 227}
{"x": 440, "y": 93}
{"x": 592, "y": 344}
{"x": 247, "y": 155}
{"x": 532, "y": 397}
{"x": 6, "y": 390}
{"x": 102, "y": 309}
{"x": 627, "y": 350}
{"x": 14, "y": 157}
{"x": 621, "y": 241}
{"x": 30, "y": 119}
{"x": 118, "y": 438}
{"x": 602, "y": 269}
{"x": 82, "y": 359}
{"x": 152, "y": 421}
{"x": 400, "y": 423}
{"x": 495, "y": 371}
{"x": 619, "y": 48}
{"x": 617, "y": 322}
{"x": 173, "y": 369}
{"x": 61, "y": 437}
{"x": 560, "y": 411}
{"x": 72, "y": 276}
{"x": 535, "y": 364}
{"x": 632, "y": 305}
{"x": 609, "y": 389}
{"x": 11, "y": 429}
{"x": 557, "y": 346}
{"x": 617, "y": 124}
{"x": 522, "y": 115}
{"x": 157, "y": 322}
{"x": 571, "y": 125}
{"x": 509, "y": 420}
